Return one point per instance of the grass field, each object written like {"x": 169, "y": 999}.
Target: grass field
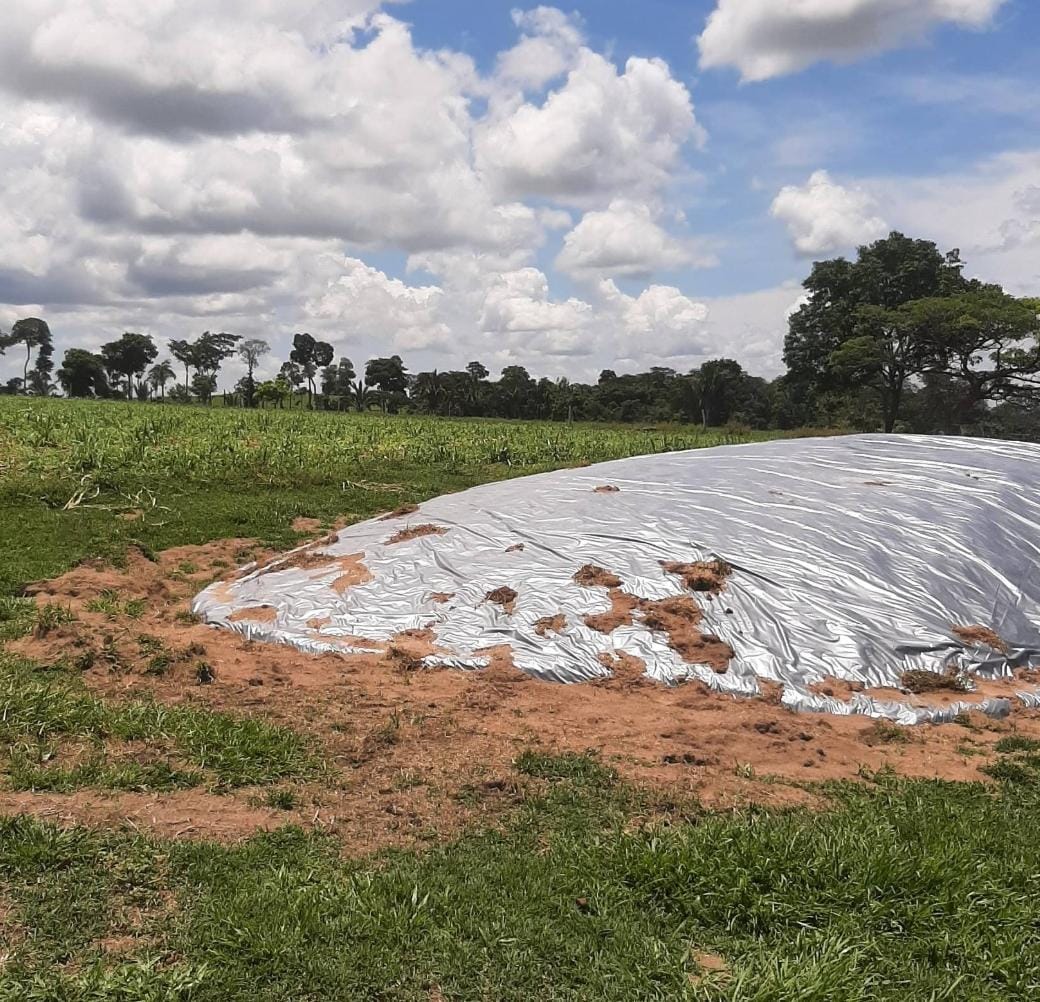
{"x": 587, "y": 887}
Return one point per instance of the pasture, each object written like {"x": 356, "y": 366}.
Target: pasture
{"x": 181, "y": 819}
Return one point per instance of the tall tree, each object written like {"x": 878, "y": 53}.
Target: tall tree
{"x": 251, "y": 351}
{"x": 129, "y": 356}
{"x": 390, "y": 377}
{"x": 211, "y": 350}
{"x": 310, "y": 355}
{"x": 338, "y": 380}
{"x": 82, "y": 374}
{"x": 184, "y": 352}
{"x": 885, "y": 275}
{"x": 159, "y": 375}
{"x": 34, "y": 335}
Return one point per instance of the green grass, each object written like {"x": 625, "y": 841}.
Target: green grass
{"x": 589, "y": 890}
{"x": 41, "y": 709}
{"x": 903, "y": 891}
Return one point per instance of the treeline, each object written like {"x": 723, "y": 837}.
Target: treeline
{"x": 896, "y": 339}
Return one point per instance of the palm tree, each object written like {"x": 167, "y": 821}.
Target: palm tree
{"x": 159, "y": 375}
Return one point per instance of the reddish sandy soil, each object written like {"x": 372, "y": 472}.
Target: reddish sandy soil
{"x": 417, "y": 753}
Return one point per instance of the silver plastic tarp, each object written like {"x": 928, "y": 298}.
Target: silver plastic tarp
{"x": 853, "y": 558}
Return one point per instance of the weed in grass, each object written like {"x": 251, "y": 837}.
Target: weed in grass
{"x": 204, "y": 673}
{"x": 1010, "y": 771}
{"x": 188, "y": 567}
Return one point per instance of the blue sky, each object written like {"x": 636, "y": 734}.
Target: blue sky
{"x": 608, "y": 184}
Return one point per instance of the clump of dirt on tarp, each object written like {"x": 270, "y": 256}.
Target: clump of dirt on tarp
{"x": 400, "y": 512}
{"x": 981, "y": 636}
{"x": 504, "y": 596}
{"x": 703, "y": 575}
{"x": 677, "y": 618}
{"x": 254, "y": 614}
{"x": 550, "y": 624}
{"x": 591, "y": 576}
{"x": 415, "y": 532}
{"x": 622, "y": 606}
{"x": 917, "y": 681}
{"x": 516, "y": 548}
{"x": 607, "y": 489}
{"x": 442, "y": 597}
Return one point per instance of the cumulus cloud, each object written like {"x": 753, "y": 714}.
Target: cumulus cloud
{"x": 623, "y": 240}
{"x": 823, "y": 216}
{"x": 175, "y": 167}
{"x": 763, "y": 38}
{"x": 602, "y": 134}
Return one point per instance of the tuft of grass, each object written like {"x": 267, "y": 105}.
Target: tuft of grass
{"x": 111, "y": 604}
{"x": 49, "y": 617}
{"x": 1017, "y": 743}
{"x": 281, "y": 800}
{"x": 584, "y": 768}
{"x": 24, "y": 773}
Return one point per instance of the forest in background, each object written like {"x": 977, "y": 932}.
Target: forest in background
{"x": 895, "y": 340}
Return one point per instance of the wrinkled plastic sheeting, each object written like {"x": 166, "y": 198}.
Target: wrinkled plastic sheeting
{"x": 853, "y": 558}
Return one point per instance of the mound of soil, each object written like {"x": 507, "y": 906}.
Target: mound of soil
{"x": 413, "y": 750}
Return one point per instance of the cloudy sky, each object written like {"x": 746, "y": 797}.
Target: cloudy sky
{"x": 622, "y": 184}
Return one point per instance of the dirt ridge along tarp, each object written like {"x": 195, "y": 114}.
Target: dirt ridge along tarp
{"x": 855, "y": 558}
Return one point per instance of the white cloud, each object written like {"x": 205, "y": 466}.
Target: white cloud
{"x": 624, "y": 240}
{"x": 548, "y": 48}
{"x": 823, "y": 216}
{"x": 175, "y": 167}
{"x": 363, "y": 300}
{"x": 989, "y": 209}
{"x": 602, "y": 134}
{"x": 766, "y": 38}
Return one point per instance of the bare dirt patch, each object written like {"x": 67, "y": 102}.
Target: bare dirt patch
{"x": 403, "y": 742}
{"x": 416, "y": 532}
{"x": 304, "y": 524}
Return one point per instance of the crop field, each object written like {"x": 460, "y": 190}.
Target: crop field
{"x": 188, "y": 816}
